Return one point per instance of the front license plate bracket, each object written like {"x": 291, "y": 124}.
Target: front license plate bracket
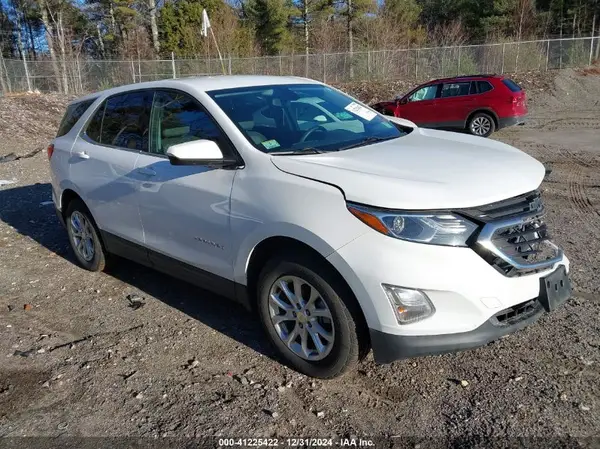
{"x": 555, "y": 289}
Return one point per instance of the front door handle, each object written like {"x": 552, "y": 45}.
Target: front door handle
{"x": 82, "y": 155}
{"x": 146, "y": 171}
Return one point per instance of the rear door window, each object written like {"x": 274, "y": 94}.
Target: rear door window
{"x": 455, "y": 89}
{"x": 72, "y": 116}
{"x": 511, "y": 85}
{"x": 126, "y": 121}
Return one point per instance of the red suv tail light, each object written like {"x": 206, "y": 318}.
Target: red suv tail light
{"x": 50, "y": 150}
{"x": 517, "y": 100}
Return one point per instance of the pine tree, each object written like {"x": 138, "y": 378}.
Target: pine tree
{"x": 270, "y": 19}
{"x": 404, "y": 13}
{"x": 352, "y": 11}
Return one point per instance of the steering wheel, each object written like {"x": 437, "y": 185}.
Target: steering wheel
{"x": 310, "y": 131}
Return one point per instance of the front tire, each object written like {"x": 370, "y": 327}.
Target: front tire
{"x": 301, "y": 306}
{"x": 84, "y": 237}
{"x": 481, "y": 124}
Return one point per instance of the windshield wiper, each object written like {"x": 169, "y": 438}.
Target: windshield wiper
{"x": 308, "y": 150}
{"x": 366, "y": 141}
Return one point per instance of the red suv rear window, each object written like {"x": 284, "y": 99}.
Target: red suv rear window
{"x": 511, "y": 85}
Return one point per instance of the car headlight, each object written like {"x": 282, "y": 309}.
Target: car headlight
{"x": 436, "y": 228}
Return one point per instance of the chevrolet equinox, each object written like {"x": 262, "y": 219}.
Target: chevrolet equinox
{"x": 343, "y": 229}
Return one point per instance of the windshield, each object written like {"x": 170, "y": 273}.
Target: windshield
{"x": 298, "y": 117}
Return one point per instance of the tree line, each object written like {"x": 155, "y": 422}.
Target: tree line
{"x": 60, "y": 30}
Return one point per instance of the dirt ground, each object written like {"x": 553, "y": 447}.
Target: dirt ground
{"x": 77, "y": 360}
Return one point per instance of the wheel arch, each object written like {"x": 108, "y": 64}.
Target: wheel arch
{"x": 67, "y": 196}
{"x": 488, "y": 111}
{"x": 271, "y": 246}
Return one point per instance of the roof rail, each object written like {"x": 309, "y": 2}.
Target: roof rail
{"x": 479, "y": 75}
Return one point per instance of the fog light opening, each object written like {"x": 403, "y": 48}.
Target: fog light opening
{"x": 409, "y": 305}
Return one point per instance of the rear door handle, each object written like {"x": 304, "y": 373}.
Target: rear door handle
{"x": 146, "y": 171}
{"x": 82, "y": 155}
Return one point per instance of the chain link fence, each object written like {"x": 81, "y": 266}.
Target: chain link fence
{"x": 417, "y": 64}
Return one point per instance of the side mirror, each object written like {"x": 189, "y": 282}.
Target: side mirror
{"x": 403, "y": 100}
{"x": 198, "y": 152}
{"x": 320, "y": 119}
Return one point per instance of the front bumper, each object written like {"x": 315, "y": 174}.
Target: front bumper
{"x": 465, "y": 290}
{"x": 388, "y": 347}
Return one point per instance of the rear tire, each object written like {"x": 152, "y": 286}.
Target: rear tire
{"x": 84, "y": 237}
{"x": 481, "y": 125}
{"x": 320, "y": 310}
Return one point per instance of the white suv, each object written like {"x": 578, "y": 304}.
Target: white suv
{"x": 344, "y": 229}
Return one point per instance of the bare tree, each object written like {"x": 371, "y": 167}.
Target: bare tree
{"x": 3, "y": 84}
{"x": 49, "y": 32}
{"x": 153, "y": 25}
{"x": 525, "y": 11}
{"x": 19, "y": 20}
{"x": 57, "y": 16}
{"x": 100, "y": 41}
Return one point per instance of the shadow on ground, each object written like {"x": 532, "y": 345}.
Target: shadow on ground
{"x": 21, "y": 208}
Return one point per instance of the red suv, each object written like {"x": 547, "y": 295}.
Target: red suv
{"x": 480, "y": 104}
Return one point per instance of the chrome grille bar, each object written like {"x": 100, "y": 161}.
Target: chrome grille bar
{"x": 497, "y": 236}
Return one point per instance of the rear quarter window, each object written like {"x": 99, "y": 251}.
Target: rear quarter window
{"x": 72, "y": 116}
{"x": 514, "y": 87}
{"x": 483, "y": 86}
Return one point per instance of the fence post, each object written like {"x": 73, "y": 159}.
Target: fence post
{"x": 280, "y": 65}
{"x": 417, "y": 65}
{"x": 547, "y": 54}
{"x": 325, "y": 67}
{"x": 458, "y": 68}
{"x": 503, "y": 52}
{"x": 173, "y": 64}
{"x": 26, "y": 72}
{"x": 132, "y": 71}
{"x": 2, "y": 70}
{"x": 443, "y": 56}
{"x": 305, "y": 65}
{"x": 229, "y": 65}
{"x": 592, "y": 40}
{"x": 79, "y": 74}
{"x": 368, "y": 64}
{"x": 560, "y": 52}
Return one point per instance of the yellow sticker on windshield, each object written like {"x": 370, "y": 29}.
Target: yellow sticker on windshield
{"x": 270, "y": 144}
{"x": 344, "y": 115}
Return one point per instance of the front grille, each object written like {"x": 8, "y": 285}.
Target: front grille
{"x": 516, "y": 313}
{"x": 527, "y": 203}
{"x": 514, "y": 238}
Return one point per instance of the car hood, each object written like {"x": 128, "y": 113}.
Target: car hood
{"x": 426, "y": 169}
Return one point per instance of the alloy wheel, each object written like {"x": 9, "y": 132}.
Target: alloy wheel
{"x": 480, "y": 126}
{"x": 301, "y": 318}
{"x": 82, "y": 236}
